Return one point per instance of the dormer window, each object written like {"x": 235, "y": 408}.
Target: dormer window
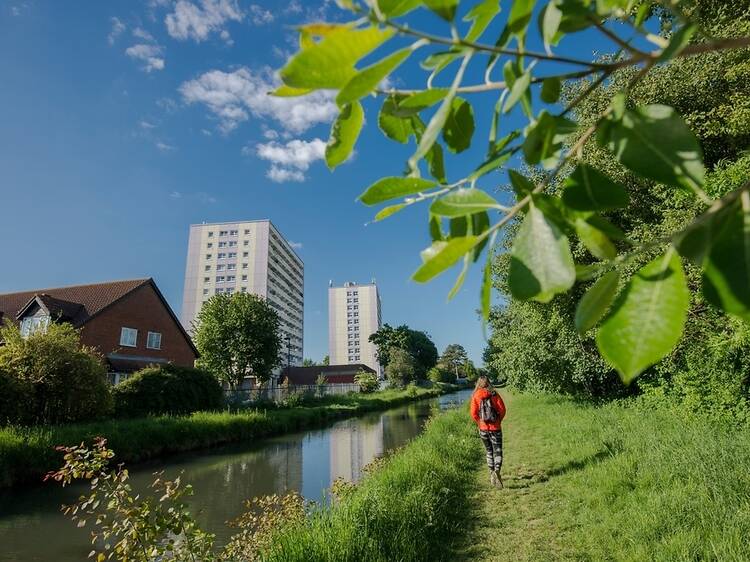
{"x": 128, "y": 337}
{"x": 33, "y": 324}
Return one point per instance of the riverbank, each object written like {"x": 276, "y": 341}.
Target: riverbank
{"x": 26, "y": 454}
{"x": 409, "y": 509}
{"x": 612, "y": 483}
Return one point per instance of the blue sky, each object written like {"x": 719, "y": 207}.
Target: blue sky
{"x": 123, "y": 122}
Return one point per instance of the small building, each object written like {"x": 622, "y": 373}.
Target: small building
{"x": 334, "y": 374}
{"x": 129, "y": 322}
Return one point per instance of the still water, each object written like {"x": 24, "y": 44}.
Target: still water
{"x": 33, "y": 529}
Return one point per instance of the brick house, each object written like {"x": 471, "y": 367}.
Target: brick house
{"x": 129, "y": 322}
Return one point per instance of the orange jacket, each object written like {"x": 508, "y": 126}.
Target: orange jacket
{"x": 497, "y": 403}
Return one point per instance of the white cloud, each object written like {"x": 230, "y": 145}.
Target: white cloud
{"x": 259, "y": 15}
{"x": 289, "y": 161}
{"x": 151, "y": 55}
{"x": 295, "y": 245}
{"x": 117, "y": 29}
{"x": 141, "y": 33}
{"x": 293, "y": 7}
{"x": 283, "y": 175}
{"x": 164, "y": 147}
{"x": 176, "y": 195}
{"x": 143, "y": 124}
{"x": 233, "y": 96}
{"x": 191, "y": 21}
{"x": 270, "y": 134}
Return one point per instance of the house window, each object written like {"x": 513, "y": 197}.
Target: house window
{"x": 128, "y": 337}
{"x": 223, "y": 233}
{"x": 33, "y": 324}
{"x": 153, "y": 341}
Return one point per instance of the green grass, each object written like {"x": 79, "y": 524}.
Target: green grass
{"x": 26, "y": 454}
{"x": 613, "y": 483}
{"x": 404, "y": 511}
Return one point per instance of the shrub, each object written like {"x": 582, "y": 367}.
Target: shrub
{"x": 167, "y": 389}
{"x": 367, "y": 381}
{"x": 15, "y": 397}
{"x": 400, "y": 368}
{"x": 67, "y": 381}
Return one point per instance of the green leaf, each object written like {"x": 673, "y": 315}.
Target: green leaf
{"x": 367, "y": 79}
{"x": 551, "y": 88}
{"x": 696, "y": 240}
{"x": 485, "y": 296}
{"x": 541, "y": 264}
{"x": 654, "y": 142}
{"x": 285, "y": 91}
{"x": 463, "y": 202}
{"x": 647, "y": 319}
{"x": 393, "y": 187}
{"x": 436, "y": 229}
{"x": 422, "y": 100}
{"x": 438, "y": 61}
{"x": 388, "y": 211}
{"x": 436, "y": 162}
{"x": 396, "y": 8}
{"x": 595, "y": 240}
{"x": 459, "y": 126}
{"x": 442, "y": 255}
{"x": 596, "y": 301}
{"x": 481, "y": 15}
{"x": 520, "y": 15}
{"x": 587, "y": 189}
{"x": 491, "y": 164}
{"x": 461, "y": 278}
{"x": 677, "y": 42}
{"x": 330, "y": 63}
{"x": 344, "y": 134}
{"x": 394, "y": 127}
{"x": 726, "y": 267}
{"x": 446, "y": 9}
{"x": 517, "y": 91}
{"x": 545, "y": 139}
{"x": 550, "y": 24}
{"x": 522, "y": 185}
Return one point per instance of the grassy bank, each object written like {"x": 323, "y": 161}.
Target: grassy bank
{"x": 613, "y": 483}
{"x": 26, "y": 454}
{"x": 408, "y": 510}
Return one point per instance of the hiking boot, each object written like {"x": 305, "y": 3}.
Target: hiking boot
{"x": 493, "y": 478}
{"x": 498, "y": 479}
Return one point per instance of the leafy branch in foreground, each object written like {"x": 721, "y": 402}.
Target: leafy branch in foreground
{"x": 641, "y": 315}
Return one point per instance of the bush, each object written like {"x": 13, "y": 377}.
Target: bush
{"x": 15, "y": 397}
{"x": 400, "y": 368}
{"x": 167, "y": 389}
{"x": 67, "y": 381}
{"x": 368, "y": 382}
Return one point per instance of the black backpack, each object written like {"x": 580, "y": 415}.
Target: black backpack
{"x": 487, "y": 412}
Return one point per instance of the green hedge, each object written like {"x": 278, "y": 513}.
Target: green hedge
{"x": 167, "y": 389}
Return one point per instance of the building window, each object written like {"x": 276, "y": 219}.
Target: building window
{"x": 244, "y": 277}
{"x": 233, "y": 244}
{"x": 33, "y": 324}
{"x": 220, "y": 279}
{"x": 223, "y": 233}
{"x": 205, "y": 291}
{"x": 230, "y": 278}
{"x": 244, "y": 289}
{"x": 209, "y": 256}
{"x": 208, "y": 268}
{"x": 129, "y": 337}
{"x": 246, "y": 243}
{"x": 244, "y": 266}
{"x": 220, "y": 290}
{"x": 221, "y": 256}
{"x": 245, "y": 254}
{"x": 233, "y": 232}
{"x": 210, "y": 245}
{"x": 220, "y": 267}
{"x": 247, "y": 231}
{"x": 230, "y": 291}
{"x": 210, "y": 234}
{"x": 222, "y": 244}
{"x": 206, "y": 279}
{"x": 232, "y": 255}
{"x": 232, "y": 266}
{"x": 153, "y": 341}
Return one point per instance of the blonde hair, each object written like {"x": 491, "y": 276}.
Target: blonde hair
{"x": 484, "y": 382}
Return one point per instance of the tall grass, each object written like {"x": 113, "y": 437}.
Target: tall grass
{"x": 407, "y": 510}
{"x": 27, "y": 453}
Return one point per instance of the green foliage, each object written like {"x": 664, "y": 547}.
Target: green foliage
{"x": 344, "y": 134}
{"x": 400, "y": 368}
{"x": 60, "y": 380}
{"x": 16, "y": 398}
{"x": 167, "y": 389}
{"x": 652, "y": 110}
{"x": 367, "y": 381}
{"x": 418, "y": 344}
{"x": 237, "y": 336}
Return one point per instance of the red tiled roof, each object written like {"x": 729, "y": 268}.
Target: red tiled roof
{"x": 92, "y": 298}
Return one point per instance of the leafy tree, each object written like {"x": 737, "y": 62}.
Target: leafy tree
{"x": 308, "y": 363}
{"x": 563, "y": 197}
{"x": 67, "y": 380}
{"x": 454, "y": 359}
{"x": 237, "y": 336}
{"x": 326, "y": 360}
{"x": 470, "y": 371}
{"x": 400, "y": 368}
{"x": 367, "y": 381}
{"x": 417, "y": 343}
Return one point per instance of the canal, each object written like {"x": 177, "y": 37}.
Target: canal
{"x": 33, "y": 529}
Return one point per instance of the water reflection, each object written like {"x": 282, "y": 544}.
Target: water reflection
{"x": 222, "y": 478}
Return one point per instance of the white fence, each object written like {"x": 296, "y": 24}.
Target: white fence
{"x": 281, "y": 393}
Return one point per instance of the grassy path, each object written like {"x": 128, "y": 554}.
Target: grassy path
{"x": 611, "y": 483}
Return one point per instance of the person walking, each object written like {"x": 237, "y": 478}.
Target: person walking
{"x": 488, "y": 410}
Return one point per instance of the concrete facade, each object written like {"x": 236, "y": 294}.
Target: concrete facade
{"x": 353, "y": 315}
{"x": 252, "y": 257}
